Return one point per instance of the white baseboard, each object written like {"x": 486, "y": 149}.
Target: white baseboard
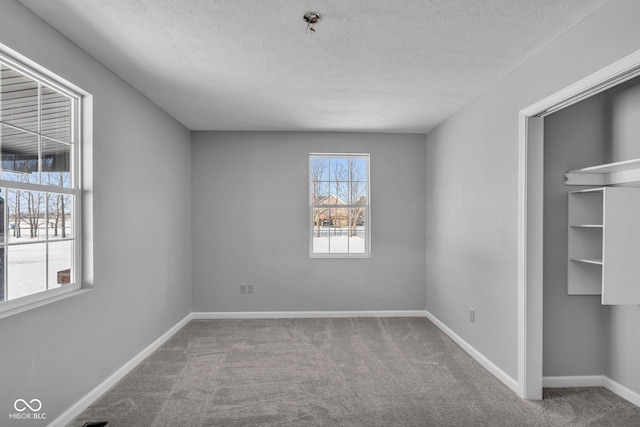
{"x": 82, "y": 404}
{"x": 622, "y": 391}
{"x": 573, "y": 381}
{"x": 479, "y": 357}
{"x": 593, "y": 381}
{"x": 305, "y": 314}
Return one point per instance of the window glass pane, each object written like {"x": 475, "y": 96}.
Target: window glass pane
{"x": 320, "y": 240}
{"x": 358, "y": 193}
{"x": 319, "y": 192}
{"x": 319, "y": 169}
{"x": 359, "y": 167}
{"x": 56, "y": 115}
{"x": 338, "y": 169}
{"x": 18, "y": 99}
{"x": 19, "y": 151}
{"x": 318, "y": 180}
{"x": 26, "y": 270}
{"x": 60, "y": 256}
{"x": 59, "y": 216}
{"x": 338, "y": 235}
{"x": 341, "y": 191}
{"x": 320, "y": 219}
{"x": 26, "y": 211}
{"x": 357, "y": 235}
{"x": 56, "y": 163}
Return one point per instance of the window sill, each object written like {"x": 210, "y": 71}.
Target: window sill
{"x": 29, "y": 302}
{"x": 340, "y": 256}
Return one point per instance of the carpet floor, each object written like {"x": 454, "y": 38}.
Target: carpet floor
{"x": 333, "y": 372}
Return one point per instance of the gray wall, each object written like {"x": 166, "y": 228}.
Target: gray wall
{"x": 142, "y": 272}
{"x": 250, "y": 224}
{"x": 472, "y": 176}
{"x": 575, "y": 327}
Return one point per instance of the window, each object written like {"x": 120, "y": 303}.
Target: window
{"x": 339, "y": 205}
{"x": 39, "y": 185}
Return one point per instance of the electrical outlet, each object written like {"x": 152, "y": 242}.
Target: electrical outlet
{"x": 243, "y": 288}
{"x": 472, "y": 315}
{"x": 249, "y": 288}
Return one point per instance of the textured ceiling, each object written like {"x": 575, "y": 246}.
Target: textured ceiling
{"x": 371, "y": 65}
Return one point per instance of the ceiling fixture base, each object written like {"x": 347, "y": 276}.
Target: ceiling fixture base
{"x": 311, "y": 18}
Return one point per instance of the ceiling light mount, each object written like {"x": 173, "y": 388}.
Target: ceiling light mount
{"x": 312, "y": 18}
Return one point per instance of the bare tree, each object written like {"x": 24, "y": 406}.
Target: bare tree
{"x": 19, "y": 170}
{"x": 351, "y": 174}
{"x": 14, "y": 212}
{"x": 58, "y": 206}
{"x": 34, "y": 213}
{"x": 317, "y": 169}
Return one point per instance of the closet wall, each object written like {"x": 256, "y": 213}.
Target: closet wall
{"x": 574, "y": 325}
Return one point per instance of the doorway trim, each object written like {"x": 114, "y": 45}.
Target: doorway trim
{"x": 530, "y": 212}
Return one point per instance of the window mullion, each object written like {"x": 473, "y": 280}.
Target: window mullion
{"x": 17, "y": 185}
{"x": 40, "y": 133}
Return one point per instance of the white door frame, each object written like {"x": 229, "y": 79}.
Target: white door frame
{"x": 530, "y": 212}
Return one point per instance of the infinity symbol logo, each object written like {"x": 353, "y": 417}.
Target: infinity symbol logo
{"x": 26, "y": 405}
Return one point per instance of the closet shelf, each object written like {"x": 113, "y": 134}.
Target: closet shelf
{"x": 603, "y": 236}
{"x": 606, "y": 174}
{"x": 588, "y": 260}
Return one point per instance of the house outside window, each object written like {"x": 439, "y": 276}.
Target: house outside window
{"x": 40, "y": 123}
{"x": 339, "y": 206}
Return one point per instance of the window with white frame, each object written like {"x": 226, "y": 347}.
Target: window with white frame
{"x": 39, "y": 184}
{"x": 339, "y": 205}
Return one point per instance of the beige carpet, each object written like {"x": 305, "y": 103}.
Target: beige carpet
{"x": 333, "y": 372}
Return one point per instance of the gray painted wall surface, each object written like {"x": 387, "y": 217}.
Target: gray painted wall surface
{"x": 575, "y": 326}
{"x": 472, "y": 197}
{"x": 250, "y": 224}
{"x": 142, "y": 271}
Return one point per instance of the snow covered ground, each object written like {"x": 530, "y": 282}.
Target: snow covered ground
{"x": 337, "y": 241}
{"x": 26, "y": 264}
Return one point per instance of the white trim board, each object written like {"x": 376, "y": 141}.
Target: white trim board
{"x": 573, "y": 381}
{"x": 479, "y": 357}
{"x": 593, "y": 381}
{"x": 76, "y": 409}
{"x": 304, "y": 314}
